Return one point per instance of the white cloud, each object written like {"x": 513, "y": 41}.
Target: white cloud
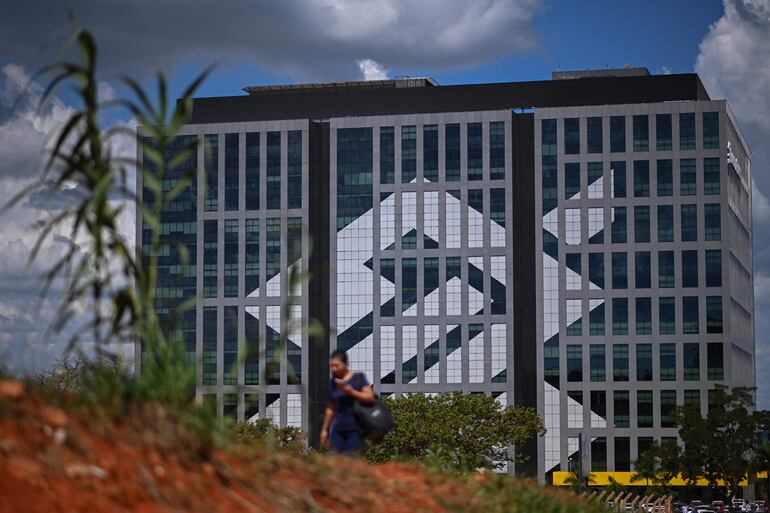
{"x": 25, "y": 132}
{"x": 734, "y": 59}
{"x": 306, "y": 39}
{"x": 760, "y": 206}
{"x": 734, "y": 63}
{"x": 372, "y": 70}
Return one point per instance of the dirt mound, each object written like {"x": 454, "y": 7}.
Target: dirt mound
{"x": 53, "y": 460}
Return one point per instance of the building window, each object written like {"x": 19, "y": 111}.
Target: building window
{"x": 644, "y": 408}
{"x": 642, "y": 270}
{"x": 641, "y": 178}
{"x": 594, "y": 129}
{"x": 668, "y": 362}
{"x": 273, "y": 257}
{"x": 692, "y": 399}
{"x": 620, "y": 362}
{"x": 252, "y": 171}
{"x": 687, "y": 177}
{"x": 644, "y": 362}
{"x": 690, "y": 316}
{"x": 251, "y": 358}
{"x": 596, "y": 226}
{"x": 711, "y": 176}
{"x": 715, "y": 361}
{"x": 354, "y": 174}
{"x": 617, "y": 134}
{"x": 596, "y": 269}
{"x": 210, "y": 250}
{"x": 599, "y": 454}
{"x": 666, "y": 269}
{"x": 251, "y": 272}
{"x": 618, "y": 179}
{"x": 452, "y": 149}
{"x": 621, "y": 408}
{"x": 430, "y": 152}
{"x": 622, "y": 454}
{"x": 475, "y": 222}
{"x": 641, "y": 133}
{"x": 689, "y": 222}
{"x": 619, "y": 270}
{"x": 551, "y": 361}
{"x": 598, "y": 363}
{"x": 665, "y": 177}
{"x": 573, "y": 263}
{"x": 666, "y": 316}
{"x": 231, "y": 258}
{"x": 687, "y": 131}
{"x": 475, "y": 147}
{"x": 230, "y": 345}
{"x": 408, "y": 153}
{"x": 387, "y": 155}
{"x": 710, "y": 130}
{"x": 620, "y": 316}
{"x": 572, "y": 136}
{"x": 713, "y": 221}
{"x": 571, "y": 179}
{"x": 430, "y": 285}
{"x": 231, "y": 171}
{"x": 210, "y": 345}
{"x": 596, "y": 317}
{"x": 574, "y": 363}
{"x": 619, "y": 225}
{"x": 595, "y": 184}
{"x": 713, "y": 268}
{"x": 665, "y": 223}
{"x": 497, "y": 213}
{"x": 388, "y": 271}
{"x": 211, "y": 166}
{"x": 641, "y": 224}
{"x": 273, "y": 170}
{"x": 599, "y": 403}
{"x": 663, "y": 132}
{"x": 643, "y": 316}
{"x": 575, "y": 409}
{"x": 667, "y": 408}
{"x": 294, "y": 168}
{"x": 713, "y": 314}
{"x": 574, "y": 318}
{"x": 690, "y": 268}
{"x": 691, "y": 361}
{"x": 408, "y": 283}
{"x": 497, "y": 150}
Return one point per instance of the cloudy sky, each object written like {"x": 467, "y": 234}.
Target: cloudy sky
{"x": 265, "y": 42}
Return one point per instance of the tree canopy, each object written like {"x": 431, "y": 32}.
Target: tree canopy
{"x": 455, "y": 430}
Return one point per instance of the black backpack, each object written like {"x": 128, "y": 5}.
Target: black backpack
{"x": 375, "y": 420}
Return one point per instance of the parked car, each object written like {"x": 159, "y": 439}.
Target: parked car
{"x": 718, "y": 506}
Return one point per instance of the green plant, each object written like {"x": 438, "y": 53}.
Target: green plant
{"x": 100, "y": 269}
{"x": 720, "y": 446}
{"x": 263, "y": 432}
{"x": 455, "y": 431}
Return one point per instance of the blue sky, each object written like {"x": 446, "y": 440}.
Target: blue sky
{"x": 572, "y": 35}
{"x": 454, "y": 41}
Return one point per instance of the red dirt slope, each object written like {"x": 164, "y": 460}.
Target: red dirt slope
{"x": 52, "y": 461}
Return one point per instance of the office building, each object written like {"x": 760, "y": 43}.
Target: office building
{"x": 580, "y": 245}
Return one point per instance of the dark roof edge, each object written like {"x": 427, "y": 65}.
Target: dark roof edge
{"x": 330, "y": 103}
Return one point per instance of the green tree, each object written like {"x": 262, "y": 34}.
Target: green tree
{"x": 456, "y": 431}
{"x": 657, "y": 466}
{"x": 720, "y": 447}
